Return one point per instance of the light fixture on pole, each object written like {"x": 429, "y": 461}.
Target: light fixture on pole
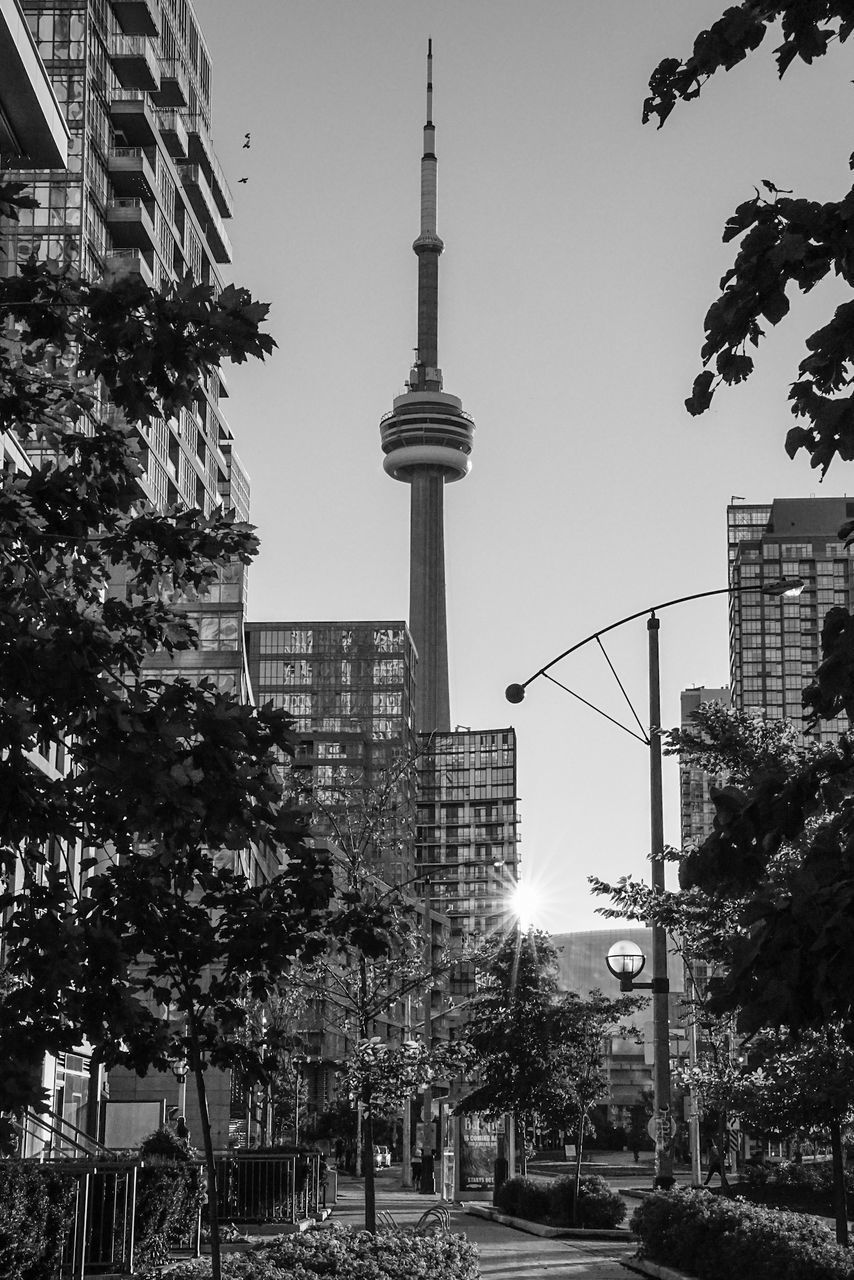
{"x": 651, "y": 738}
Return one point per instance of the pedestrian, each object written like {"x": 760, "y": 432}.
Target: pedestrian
{"x": 415, "y": 1165}
{"x": 715, "y": 1165}
{"x": 635, "y": 1144}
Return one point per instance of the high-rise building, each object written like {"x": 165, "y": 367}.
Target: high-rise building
{"x": 775, "y": 641}
{"x": 33, "y": 132}
{"x": 136, "y": 191}
{"x": 143, "y": 193}
{"x": 427, "y": 442}
{"x": 467, "y": 841}
{"x": 696, "y": 809}
{"x": 349, "y": 687}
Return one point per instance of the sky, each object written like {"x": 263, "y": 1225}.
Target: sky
{"x": 582, "y": 252}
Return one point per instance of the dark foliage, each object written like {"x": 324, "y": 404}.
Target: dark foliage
{"x": 36, "y": 1211}
{"x": 708, "y": 1236}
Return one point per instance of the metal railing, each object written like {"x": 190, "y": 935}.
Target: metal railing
{"x": 268, "y": 1188}
{"x": 101, "y": 1238}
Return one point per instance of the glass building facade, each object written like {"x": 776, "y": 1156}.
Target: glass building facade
{"x": 141, "y": 194}
{"x": 775, "y": 642}
{"x": 467, "y": 848}
{"x": 349, "y": 687}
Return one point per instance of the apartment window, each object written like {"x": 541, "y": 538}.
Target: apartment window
{"x": 388, "y": 671}
{"x": 218, "y": 631}
{"x": 387, "y": 640}
{"x": 387, "y": 704}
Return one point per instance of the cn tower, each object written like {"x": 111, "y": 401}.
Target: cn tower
{"x": 427, "y": 442}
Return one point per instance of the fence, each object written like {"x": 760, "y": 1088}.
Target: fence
{"x": 101, "y": 1239}
{"x": 268, "y": 1188}
{"x": 250, "y": 1188}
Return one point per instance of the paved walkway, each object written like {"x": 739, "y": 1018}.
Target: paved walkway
{"x": 505, "y": 1254}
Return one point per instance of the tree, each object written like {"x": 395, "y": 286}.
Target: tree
{"x": 514, "y": 1026}
{"x": 769, "y": 833}
{"x": 783, "y": 239}
{"x": 579, "y": 1078}
{"x": 378, "y": 954}
{"x": 172, "y": 781}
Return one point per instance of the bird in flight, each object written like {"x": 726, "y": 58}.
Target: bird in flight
{"x": 246, "y": 142}
{"x": 242, "y": 179}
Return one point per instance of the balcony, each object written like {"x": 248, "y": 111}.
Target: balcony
{"x": 201, "y": 152}
{"x": 134, "y": 63}
{"x": 174, "y": 133}
{"x": 174, "y": 86}
{"x": 128, "y": 262}
{"x": 133, "y": 118}
{"x": 130, "y": 224}
{"x": 204, "y": 206}
{"x": 138, "y": 17}
{"x": 131, "y": 173}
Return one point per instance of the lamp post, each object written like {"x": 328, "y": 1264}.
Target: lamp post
{"x": 652, "y": 738}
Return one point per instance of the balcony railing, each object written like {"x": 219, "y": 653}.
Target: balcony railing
{"x": 205, "y": 208}
{"x": 131, "y": 172}
{"x": 132, "y": 115}
{"x": 174, "y": 133}
{"x": 134, "y": 62}
{"x": 130, "y": 224}
{"x": 129, "y": 262}
{"x": 174, "y": 85}
{"x": 138, "y": 17}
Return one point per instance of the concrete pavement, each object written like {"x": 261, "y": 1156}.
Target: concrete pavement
{"x": 505, "y": 1254}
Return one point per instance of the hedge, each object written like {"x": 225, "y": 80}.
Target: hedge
{"x": 551, "y": 1201}
{"x": 707, "y": 1237}
{"x": 168, "y": 1198}
{"x": 36, "y": 1211}
{"x": 347, "y": 1255}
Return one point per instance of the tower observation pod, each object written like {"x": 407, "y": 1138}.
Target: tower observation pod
{"x": 427, "y": 443}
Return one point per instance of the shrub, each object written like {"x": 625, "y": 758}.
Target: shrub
{"x": 348, "y": 1254}
{"x": 36, "y": 1212}
{"x": 708, "y": 1236}
{"x": 168, "y": 1198}
{"x": 598, "y": 1205}
{"x": 523, "y": 1198}
{"x": 166, "y": 1143}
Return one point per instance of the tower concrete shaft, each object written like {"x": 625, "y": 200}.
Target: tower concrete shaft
{"x": 427, "y": 442}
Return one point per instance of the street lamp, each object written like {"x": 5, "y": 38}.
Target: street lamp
{"x": 515, "y": 693}
{"x": 626, "y": 961}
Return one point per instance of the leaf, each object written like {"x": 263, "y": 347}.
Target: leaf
{"x": 701, "y": 394}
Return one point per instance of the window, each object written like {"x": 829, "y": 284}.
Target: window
{"x": 218, "y": 631}
{"x": 387, "y": 639}
{"x": 388, "y": 671}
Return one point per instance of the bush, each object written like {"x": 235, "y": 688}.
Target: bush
{"x": 347, "y": 1254}
{"x": 523, "y": 1198}
{"x": 36, "y": 1212}
{"x": 165, "y": 1143}
{"x": 708, "y": 1236}
{"x": 598, "y": 1205}
{"x": 168, "y": 1199}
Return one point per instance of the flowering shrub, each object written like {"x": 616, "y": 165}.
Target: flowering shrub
{"x": 523, "y": 1198}
{"x": 708, "y": 1236}
{"x": 598, "y": 1205}
{"x": 346, "y": 1254}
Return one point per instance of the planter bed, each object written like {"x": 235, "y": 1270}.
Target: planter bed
{"x": 545, "y": 1228}
{"x": 705, "y": 1236}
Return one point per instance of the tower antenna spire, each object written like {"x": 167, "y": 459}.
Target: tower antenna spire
{"x": 427, "y": 442}
{"x": 429, "y": 80}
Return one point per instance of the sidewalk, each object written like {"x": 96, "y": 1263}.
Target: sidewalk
{"x": 505, "y": 1254}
